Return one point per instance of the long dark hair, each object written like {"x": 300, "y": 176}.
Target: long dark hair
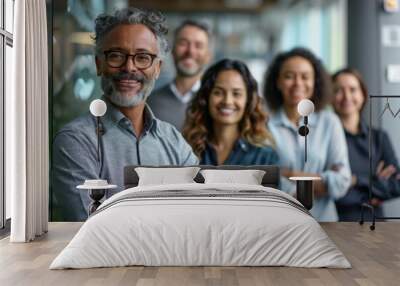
{"x": 198, "y": 127}
{"x": 322, "y": 84}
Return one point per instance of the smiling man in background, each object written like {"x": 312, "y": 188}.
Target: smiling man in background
{"x": 130, "y": 47}
{"x": 191, "y": 53}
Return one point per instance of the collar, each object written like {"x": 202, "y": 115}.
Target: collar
{"x": 240, "y": 143}
{"x": 280, "y": 118}
{"x": 149, "y": 118}
{"x": 113, "y": 112}
{"x": 118, "y": 118}
{"x": 363, "y": 130}
{"x": 184, "y": 98}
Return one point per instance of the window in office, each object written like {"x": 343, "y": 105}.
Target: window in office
{"x": 6, "y": 43}
{"x": 2, "y": 195}
{"x": 2, "y": 205}
{"x": 8, "y": 88}
{"x": 9, "y": 15}
{"x": 325, "y": 23}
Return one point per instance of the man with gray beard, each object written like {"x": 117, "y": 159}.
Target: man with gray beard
{"x": 191, "y": 53}
{"x": 130, "y": 47}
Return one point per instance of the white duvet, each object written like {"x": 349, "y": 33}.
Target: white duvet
{"x": 185, "y": 230}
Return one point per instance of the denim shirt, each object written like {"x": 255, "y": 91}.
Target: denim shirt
{"x": 243, "y": 153}
{"x": 75, "y": 156}
{"x": 327, "y": 150}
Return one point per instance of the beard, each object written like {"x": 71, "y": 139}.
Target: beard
{"x": 121, "y": 100}
{"x": 188, "y": 71}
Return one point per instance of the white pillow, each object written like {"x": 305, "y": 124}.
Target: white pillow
{"x": 249, "y": 177}
{"x": 164, "y": 176}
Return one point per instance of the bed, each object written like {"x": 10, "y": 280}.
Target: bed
{"x": 201, "y": 224}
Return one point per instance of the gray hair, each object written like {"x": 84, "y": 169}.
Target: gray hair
{"x": 153, "y": 20}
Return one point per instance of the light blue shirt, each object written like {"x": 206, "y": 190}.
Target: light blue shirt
{"x": 327, "y": 149}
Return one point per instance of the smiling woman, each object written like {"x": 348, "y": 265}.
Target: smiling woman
{"x": 350, "y": 98}
{"x": 293, "y": 76}
{"x": 226, "y": 123}
{"x": 227, "y": 99}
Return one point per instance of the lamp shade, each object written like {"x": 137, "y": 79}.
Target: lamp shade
{"x": 98, "y": 107}
{"x": 305, "y": 107}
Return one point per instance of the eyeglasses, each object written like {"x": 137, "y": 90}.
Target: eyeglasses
{"x": 117, "y": 59}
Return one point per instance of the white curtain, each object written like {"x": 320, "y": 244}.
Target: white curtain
{"x": 27, "y": 147}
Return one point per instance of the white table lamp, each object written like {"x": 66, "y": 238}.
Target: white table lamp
{"x": 305, "y": 108}
{"x": 97, "y": 187}
{"x": 98, "y": 108}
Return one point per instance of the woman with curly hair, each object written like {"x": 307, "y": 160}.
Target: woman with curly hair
{"x": 226, "y": 123}
{"x": 291, "y": 77}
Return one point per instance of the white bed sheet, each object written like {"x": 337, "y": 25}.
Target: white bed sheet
{"x": 191, "y": 231}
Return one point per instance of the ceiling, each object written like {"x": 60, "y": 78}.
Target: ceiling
{"x": 205, "y": 5}
{"x": 182, "y": 6}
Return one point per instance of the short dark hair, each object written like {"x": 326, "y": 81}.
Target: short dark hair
{"x": 198, "y": 24}
{"x": 358, "y": 76}
{"x": 322, "y": 83}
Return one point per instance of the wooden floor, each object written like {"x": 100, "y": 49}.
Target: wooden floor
{"x": 374, "y": 255}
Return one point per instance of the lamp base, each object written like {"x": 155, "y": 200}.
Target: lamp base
{"x": 305, "y": 193}
{"x": 305, "y": 190}
{"x": 96, "y": 195}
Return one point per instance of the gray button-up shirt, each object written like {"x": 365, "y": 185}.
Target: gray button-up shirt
{"x": 75, "y": 156}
